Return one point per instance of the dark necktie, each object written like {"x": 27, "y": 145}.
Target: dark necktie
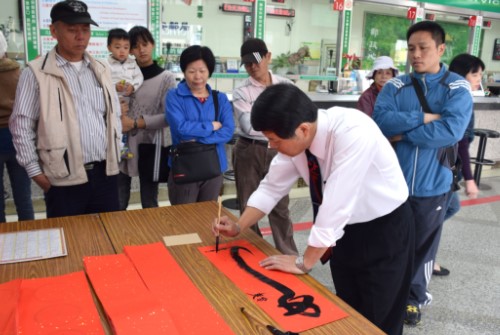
{"x": 316, "y": 190}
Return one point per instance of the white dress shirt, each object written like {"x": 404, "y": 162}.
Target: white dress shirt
{"x": 362, "y": 178}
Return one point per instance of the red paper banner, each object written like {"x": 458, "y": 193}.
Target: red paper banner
{"x": 294, "y": 305}
{"x": 130, "y": 306}
{"x": 191, "y": 312}
{"x": 57, "y": 305}
{"x": 9, "y": 297}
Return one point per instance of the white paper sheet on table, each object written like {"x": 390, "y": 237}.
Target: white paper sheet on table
{"x": 30, "y": 245}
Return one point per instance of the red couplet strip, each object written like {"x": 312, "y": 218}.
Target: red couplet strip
{"x": 57, "y": 305}
{"x": 9, "y": 296}
{"x": 294, "y": 305}
{"x": 189, "y": 309}
{"x": 131, "y": 308}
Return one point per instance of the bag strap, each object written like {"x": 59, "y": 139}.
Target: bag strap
{"x": 420, "y": 95}
{"x": 215, "y": 95}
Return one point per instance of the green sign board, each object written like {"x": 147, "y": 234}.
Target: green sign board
{"x": 32, "y": 45}
{"x": 155, "y": 25}
{"x": 346, "y": 37}
{"x": 260, "y": 18}
{"x": 476, "y": 41}
{"x": 486, "y": 5}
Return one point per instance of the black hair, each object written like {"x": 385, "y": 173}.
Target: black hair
{"x": 140, "y": 33}
{"x": 197, "y": 52}
{"x": 437, "y": 32}
{"x": 117, "y": 34}
{"x": 281, "y": 108}
{"x": 465, "y": 63}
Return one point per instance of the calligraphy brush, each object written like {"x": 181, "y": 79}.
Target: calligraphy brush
{"x": 217, "y": 238}
{"x": 272, "y": 329}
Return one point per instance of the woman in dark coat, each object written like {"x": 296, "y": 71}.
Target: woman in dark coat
{"x": 383, "y": 70}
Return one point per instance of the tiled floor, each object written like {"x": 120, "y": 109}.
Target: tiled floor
{"x": 466, "y": 302}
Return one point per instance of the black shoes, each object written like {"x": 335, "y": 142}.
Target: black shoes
{"x": 441, "y": 272}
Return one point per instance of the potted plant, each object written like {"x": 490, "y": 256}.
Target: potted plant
{"x": 280, "y": 63}
{"x": 289, "y": 60}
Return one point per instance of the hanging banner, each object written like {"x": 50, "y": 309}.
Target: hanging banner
{"x": 346, "y": 36}
{"x": 476, "y": 41}
{"x": 155, "y": 25}
{"x": 488, "y": 5}
{"x": 260, "y": 18}
{"x": 108, "y": 14}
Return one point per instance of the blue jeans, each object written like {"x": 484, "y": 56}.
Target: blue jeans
{"x": 21, "y": 188}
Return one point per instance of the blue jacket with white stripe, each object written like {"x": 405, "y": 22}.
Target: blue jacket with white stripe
{"x": 398, "y": 112}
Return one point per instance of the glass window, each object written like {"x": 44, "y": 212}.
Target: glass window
{"x": 11, "y": 25}
{"x": 314, "y": 25}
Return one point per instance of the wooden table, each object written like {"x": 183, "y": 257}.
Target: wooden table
{"x": 85, "y": 236}
{"x": 150, "y": 225}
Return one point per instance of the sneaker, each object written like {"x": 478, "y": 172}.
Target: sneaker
{"x": 413, "y": 315}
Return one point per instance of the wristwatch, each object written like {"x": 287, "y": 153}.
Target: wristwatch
{"x": 135, "y": 123}
{"x": 299, "y": 263}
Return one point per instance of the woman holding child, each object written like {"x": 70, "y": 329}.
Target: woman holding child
{"x": 145, "y": 119}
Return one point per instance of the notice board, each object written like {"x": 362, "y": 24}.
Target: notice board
{"x": 107, "y": 13}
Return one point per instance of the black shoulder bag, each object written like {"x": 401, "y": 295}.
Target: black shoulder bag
{"x": 447, "y": 156}
{"x": 194, "y": 162}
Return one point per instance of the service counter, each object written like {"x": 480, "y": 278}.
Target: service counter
{"x": 486, "y": 110}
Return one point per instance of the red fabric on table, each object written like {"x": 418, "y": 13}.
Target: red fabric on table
{"x": 9, "y": 297}
{"x": 189, "y": 309}
{"x": 130, "y": 306}
{"x": 57, "y": 305}
{"x": 266, "y": 296}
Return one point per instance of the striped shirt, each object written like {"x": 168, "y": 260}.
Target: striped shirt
{"x": 243, "y": 98}
{"x": 88, "y": 96}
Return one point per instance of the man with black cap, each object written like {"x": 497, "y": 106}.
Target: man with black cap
{"x": 66, "y": 120}
{"x": 252, "y": 156}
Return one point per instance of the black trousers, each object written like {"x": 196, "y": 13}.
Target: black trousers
{"x": 99, "y": 194}
{"x": 372, "y": 267}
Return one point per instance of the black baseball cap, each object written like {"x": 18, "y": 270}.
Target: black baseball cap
{"x": 71, "y": 12}
{"x": 253, "y": 51}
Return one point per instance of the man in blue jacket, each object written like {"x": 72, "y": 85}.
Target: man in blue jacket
{"x": 419, "y": 139}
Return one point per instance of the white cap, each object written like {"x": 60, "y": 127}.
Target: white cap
{"x": 382, "y": 63}
{"x": 3, "y": 45}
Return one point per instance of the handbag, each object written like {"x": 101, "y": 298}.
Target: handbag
{"x": 194, "y": 162}
{"x": 153, "y": 160}
{"x": 447, "y": 156}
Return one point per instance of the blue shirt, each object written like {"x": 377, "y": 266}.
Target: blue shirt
{"x": 190, "y": 119}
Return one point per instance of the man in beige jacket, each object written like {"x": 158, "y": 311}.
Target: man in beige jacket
{"x": 65, "y": 124}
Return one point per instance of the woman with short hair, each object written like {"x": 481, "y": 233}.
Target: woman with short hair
{"x": 191, "y": 115}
